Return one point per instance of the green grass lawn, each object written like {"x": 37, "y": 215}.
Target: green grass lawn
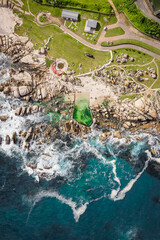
{"x": 62, "y": 45}
{"x": 134, "y": 42}
{"x": 114, "y": 32}
{"x": 139, "y": 57}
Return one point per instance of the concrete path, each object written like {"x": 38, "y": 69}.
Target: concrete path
{"x": 145, "y": 9}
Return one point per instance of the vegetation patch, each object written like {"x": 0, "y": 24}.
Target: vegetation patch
{"x": 60, "y": 65}
{"x": 43, "y": 18}
{"x": 155, "y": 4}
{"x": 114, "y": 32}
{"x": 92, "y": 5}
{"x": 131, "y": 96}
{"x": 136, "y": 16}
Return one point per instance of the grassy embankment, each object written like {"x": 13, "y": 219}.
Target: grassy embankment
{"x": 114, "y": 32}
{"x": 134, "y": 42}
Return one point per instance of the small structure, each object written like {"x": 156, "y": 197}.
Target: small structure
{"x": 90, "y": 26}
{"x": 89, "y": 55}
{"x": 70, "y": 15}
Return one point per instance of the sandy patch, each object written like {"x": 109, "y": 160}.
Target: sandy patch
{"x": 97, "y": 90}
{"x": 7, "y": 21}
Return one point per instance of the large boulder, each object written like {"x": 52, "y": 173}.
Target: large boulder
{"x": 24, "y": 90}
{"x": 117, "y": 134}
{"x": 16, "y": 92}
{"x": 43, "y": 93}
{"x": 18, "y": 111}
{"x": 8, "y": 140}
{"x": 1, "y": 140}
{"x": 4, "y": 118}
{"x": 14, "y": 137}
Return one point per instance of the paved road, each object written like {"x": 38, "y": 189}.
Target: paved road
{"x": 144, "y": 8}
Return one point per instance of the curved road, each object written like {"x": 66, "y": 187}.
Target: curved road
{"x": 145, "y": 9}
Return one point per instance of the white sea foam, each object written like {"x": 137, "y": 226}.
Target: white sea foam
{"x": 77, "y": 211}
{"x": 121, "y": 194}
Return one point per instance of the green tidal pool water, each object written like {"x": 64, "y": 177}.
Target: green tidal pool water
{"x": 82, "y": 112}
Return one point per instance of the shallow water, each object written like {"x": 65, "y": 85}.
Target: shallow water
{"x": 94, "y": 190}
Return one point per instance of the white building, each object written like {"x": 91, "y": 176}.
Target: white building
{"x": 90, "y": 26}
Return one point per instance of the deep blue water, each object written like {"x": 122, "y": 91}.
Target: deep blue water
{"x": 99, "y": 191}
{"x": 48, "y": 217}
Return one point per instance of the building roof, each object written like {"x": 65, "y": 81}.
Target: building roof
{"x": 70, "y": 14}
{"x": 91, "y": 23}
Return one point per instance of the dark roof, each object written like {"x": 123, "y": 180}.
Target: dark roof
{"x": 92, "y": 23}
{"x": 70, "y": 14}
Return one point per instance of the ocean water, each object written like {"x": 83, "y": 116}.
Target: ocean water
{"x": 93, "y": 191}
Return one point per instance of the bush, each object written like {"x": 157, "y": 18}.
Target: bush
{"x": 144, "y": 24}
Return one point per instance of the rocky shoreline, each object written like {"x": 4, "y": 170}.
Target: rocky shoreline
{"x": 41, "y": 86}
{"x": 41, "y": 91}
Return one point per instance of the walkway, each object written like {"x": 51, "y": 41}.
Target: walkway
{"x": 145, "y": 9}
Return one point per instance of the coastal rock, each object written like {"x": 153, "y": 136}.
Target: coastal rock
{"x": 6, "y": 90}
{"x": 18, "y": 111}
{"x": 16, "y": 92}
{"x": 67, "y": 127}
{"x": 31, "y": 165}
{"x": 14, "y": 137}
{"x": 8, "y": 140}
{"x": 104, "y": 136}
{"x": 4, "y": 118}
{"x": 1, "y": 139}
{"x": 29, "y": 135}
{"x": 23, "y": 110}
{"x": 28, "y": 110}
{"x": 117, "y": 134}
{"x": 153, "y": 152}
{"x": 24, "y": 90}
{"x": 43, "y": 93}
{"x": 35, "y": 109}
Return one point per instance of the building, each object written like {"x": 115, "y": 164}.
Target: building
{"x": 90, "y": 26}
{"x": 70, "y": 15}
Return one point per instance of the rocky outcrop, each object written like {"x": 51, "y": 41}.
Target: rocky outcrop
{"x": 14, "y": 138}
{"x": 29, "y": 135}
{"x": 1, "y": 140}
{"x": 24, "y": 90}
{"x": 4, "y": 118}
{"x": 8, "y": 140}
